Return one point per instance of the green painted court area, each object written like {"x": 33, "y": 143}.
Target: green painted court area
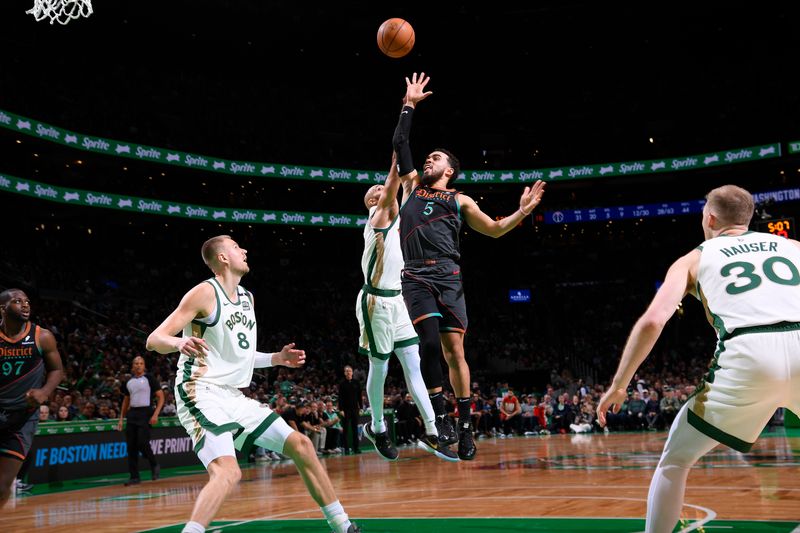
{"x": 487, "y": 525}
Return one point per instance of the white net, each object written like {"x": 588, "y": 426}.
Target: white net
{"x": 61, "y": 11}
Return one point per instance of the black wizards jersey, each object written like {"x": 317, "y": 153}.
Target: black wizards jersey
{"x": 430, "y": 221}
{"x": 21, "y": 367}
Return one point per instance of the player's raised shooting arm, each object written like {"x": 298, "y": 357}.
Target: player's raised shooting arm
{"x": 415, "y": 93}
{"x": 198, "y": 302}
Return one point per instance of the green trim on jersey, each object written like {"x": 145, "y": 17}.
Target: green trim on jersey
{"x": 718, "y": 325}
{"x": 768, "y": 328}
{"x": 748, "y": 232}
{"x": 203, "y": 325}
{"x": 372, "y": 260}
{"x": 386, "y": 229}
{"x": 226, "y": 294}
{"x": 717, "y": 434}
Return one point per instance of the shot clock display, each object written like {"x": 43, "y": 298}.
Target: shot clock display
{"x": 778, "y": 226}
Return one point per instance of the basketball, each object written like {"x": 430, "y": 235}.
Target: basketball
{"x": 395, "y": 37}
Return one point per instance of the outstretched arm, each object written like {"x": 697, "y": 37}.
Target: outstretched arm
{"x": 482, "y": 223}
{"x": 288, "y": 356}
{"x": 415, "y": 93}
{"x": 678, "y": 282}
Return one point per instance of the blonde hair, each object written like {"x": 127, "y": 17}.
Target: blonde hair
{"x": 211, "y": 248}
{"x": 731, "y": 205}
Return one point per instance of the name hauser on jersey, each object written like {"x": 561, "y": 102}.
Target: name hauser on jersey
{"x": 750, "y": 247}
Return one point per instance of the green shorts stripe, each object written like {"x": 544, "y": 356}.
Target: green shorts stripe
{"x": 406, "y": 342}
{"x": 367, "y": 324}
{"x": 205, "y": 423}
{"x": 262, "y": 427}
{"x": 717, "y": 434}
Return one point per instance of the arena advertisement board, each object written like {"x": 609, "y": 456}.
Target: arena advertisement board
{"x": 87, "y": 452}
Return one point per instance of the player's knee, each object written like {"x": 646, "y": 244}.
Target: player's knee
{"x": 429, "y": 347}
{"x": 229, "y": 476}
{"x": 678, "y": 459}
{"x": 299, "y": 446}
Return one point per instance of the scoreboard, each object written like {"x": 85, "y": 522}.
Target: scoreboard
{"x": 778, "y": 226}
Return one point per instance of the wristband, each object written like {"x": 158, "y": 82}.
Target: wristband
{"x": 263, "y": 360}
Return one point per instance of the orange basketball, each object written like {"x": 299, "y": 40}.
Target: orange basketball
{"x": 395, "y": 37}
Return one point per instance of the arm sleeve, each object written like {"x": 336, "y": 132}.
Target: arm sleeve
{"x": 400, "y": 143}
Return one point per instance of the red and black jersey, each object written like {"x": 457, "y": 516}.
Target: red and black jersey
{"x": 430, "y": 221}
{"x": 21, "y": 367}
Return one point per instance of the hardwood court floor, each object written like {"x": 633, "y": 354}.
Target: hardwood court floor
{"x": 543, "y": 483}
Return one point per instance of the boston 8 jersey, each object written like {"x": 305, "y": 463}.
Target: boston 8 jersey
{"x": 749, "y": 280}
{"x": 231, "y": 335}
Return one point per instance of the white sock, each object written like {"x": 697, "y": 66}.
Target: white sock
{"x": 409, "y": 359}
{"x": 193, "y": 527}
{"x": 336, "y": 517}
{"x": 378, "y": 370}
{"x": 684, "y": 446}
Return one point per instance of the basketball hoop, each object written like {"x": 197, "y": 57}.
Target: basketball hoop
{"x": 61, "y": 11}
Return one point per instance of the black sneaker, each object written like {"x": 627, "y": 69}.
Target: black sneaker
{"x": 466, "y": 444}
{"x": 447, "y": 433}
{"x": 133, "y": 481}
{"x": 383, "y": 445}
{"x": 430, "y": 443}
{"x": 156, "y": 472}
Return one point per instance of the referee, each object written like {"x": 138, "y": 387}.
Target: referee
{"x": 137, "y": 405}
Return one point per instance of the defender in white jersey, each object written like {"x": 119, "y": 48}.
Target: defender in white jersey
{"x": 749, "y": 284}
{"x": 218, "y": 354}
{"x": 383, "y": 320}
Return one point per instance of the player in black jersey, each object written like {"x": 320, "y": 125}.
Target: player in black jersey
{"x": 430, "y": 222}
{"x": 27, "y": 352}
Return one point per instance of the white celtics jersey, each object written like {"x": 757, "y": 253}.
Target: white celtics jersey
{"x": 382, "y": 260}
{"x": 749, "y": 280}
{"x": 231, "y": 334}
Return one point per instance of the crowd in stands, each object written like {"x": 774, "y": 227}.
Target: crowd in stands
{"x": 538, "y": 367}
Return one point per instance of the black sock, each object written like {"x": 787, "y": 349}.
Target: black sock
{"x": 464, "y": 416}
{"x": 437, "y": 400}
